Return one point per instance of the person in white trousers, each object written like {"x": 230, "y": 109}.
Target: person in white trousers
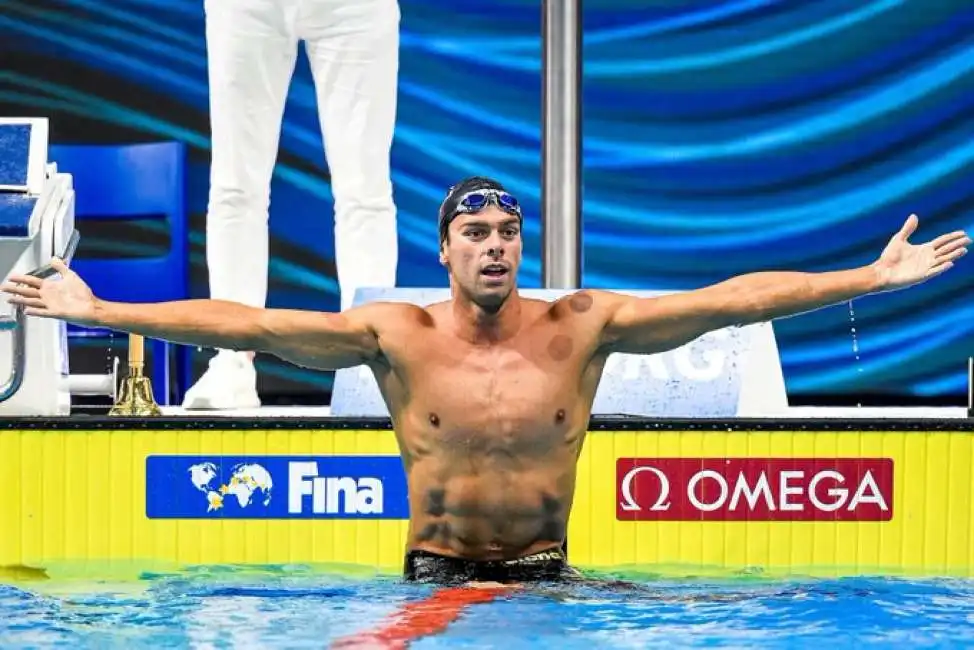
{"x": 252, "y": 47}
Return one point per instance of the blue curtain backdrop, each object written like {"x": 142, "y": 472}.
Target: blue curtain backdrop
{"x": 720, "y": 138}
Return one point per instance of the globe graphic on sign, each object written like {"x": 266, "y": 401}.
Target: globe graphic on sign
{"x": 247, "y": 482}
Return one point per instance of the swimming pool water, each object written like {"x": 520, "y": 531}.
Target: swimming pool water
{"x": 282, "y": 608}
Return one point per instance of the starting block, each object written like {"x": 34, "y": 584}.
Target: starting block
{"x": 36, "y": 223}
{"x": 733, "y": 372}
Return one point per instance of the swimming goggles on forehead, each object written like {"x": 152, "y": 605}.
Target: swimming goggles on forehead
{"x": 477, "y": 200}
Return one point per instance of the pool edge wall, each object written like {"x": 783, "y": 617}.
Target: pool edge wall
{"x": 769, "y": 497}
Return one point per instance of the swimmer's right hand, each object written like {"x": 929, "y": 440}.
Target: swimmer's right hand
{"x": 64, "y": 296}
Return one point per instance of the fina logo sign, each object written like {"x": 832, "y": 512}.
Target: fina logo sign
{"x": 754, "y": 489}
{"x": 360, "y": 496}
{"x": 275, "y": 487}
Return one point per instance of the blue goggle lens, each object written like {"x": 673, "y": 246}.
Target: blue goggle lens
{"x": 475, "y": 201}
{"x": 479, "y": 200}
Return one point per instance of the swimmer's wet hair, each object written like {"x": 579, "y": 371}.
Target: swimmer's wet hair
{"x": 448, "y": 208}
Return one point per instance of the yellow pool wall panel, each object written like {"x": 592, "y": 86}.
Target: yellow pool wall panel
{"x": 930, "y": 532}
{"x": 77, "y": 498}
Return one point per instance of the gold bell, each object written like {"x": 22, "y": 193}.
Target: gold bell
{"x": 135, "y": 395}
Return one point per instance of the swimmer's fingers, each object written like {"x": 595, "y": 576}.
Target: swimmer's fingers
{"x": 39, "y": 312}
{"x": 28, "y": 280}
{"x": 28, "y": 304}
{"x": 951, "y": 256}
{"x": 950, "y": 239}
{"x": 945, "y": 259}
{"x": 26, "y": 297}
{"x": 22, "y": 290}
{"x": 952, "y": 248}
{"x": 32, "y": 306}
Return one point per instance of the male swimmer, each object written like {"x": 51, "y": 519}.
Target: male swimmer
{"x": 353, "y": 54}
{"x": 490, "y": 393}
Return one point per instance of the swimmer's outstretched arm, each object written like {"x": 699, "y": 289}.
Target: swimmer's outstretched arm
{"x": 325, "y": 341}
{"x": 647, "y": 326}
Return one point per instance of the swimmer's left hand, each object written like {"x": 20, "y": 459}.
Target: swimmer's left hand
{"x": 67, "y": 298}
{"x": 903, "y": 264}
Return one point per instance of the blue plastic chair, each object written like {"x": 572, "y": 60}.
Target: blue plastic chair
{"x": 135, "y": 182}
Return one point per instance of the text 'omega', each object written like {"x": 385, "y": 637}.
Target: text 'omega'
{"x": 754, "y": 489}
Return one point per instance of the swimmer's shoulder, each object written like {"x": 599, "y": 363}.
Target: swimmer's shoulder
{"x": 590, "y": 305}
{"x": 394, "y": 317}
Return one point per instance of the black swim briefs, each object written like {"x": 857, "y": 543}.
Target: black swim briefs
{"x": 545, "y": 566}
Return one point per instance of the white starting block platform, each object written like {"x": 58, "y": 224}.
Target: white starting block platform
{"x": 36, "y": 223}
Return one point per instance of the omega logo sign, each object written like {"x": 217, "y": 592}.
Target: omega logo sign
{"x": 754, "y": 489}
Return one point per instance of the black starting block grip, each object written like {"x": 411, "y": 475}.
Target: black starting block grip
{"x": 66, "y": 256}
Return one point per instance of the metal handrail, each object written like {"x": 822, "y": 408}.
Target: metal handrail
{"x": 17, "y": 328}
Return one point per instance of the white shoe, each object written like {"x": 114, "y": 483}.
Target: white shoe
{"x": 230, "y": 382}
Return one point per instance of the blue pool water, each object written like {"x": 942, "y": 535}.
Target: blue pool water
{"x": 221, "y": 608}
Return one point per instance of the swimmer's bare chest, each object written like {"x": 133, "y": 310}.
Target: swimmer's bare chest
{"x": 502, "y": 402}
{"x": 493, "y": 406}
{"x": 490, "y": 435}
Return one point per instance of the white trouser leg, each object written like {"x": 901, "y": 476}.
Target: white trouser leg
{"x": 251, "y": 52}
{"x": 251, "y": 57}
{"x": 353, "y": 48}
